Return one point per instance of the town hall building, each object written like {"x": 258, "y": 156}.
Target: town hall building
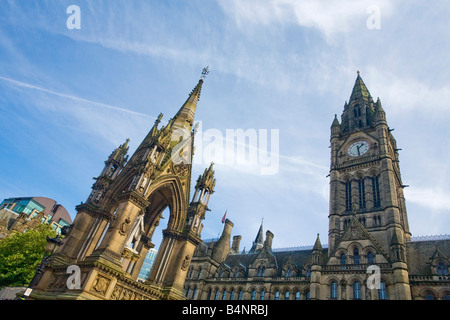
{"x": 370, "y": 253}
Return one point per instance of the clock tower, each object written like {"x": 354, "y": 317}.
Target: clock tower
{"x": 365, "y": 180}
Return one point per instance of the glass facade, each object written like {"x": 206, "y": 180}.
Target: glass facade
{"x": 148, "y": 264}
{"x": 31, "y": 207}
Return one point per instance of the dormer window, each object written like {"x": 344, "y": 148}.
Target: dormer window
{"x": 442, "y": 269}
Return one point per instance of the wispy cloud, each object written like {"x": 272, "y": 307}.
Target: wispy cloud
{"x": 408, "y": 93}
{"x": 328, "y": 17}
{"x": 430, "y": 198}
{"x": 74, "y": 98}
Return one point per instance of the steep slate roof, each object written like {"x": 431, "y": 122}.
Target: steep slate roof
{"x": 419, "y": 254}
{"x": 298, "y": 258}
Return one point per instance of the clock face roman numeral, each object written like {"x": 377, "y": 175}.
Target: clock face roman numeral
{"x": 358, "y": 148}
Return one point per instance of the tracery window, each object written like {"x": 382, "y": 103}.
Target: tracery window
{"x": 288, "y": 272}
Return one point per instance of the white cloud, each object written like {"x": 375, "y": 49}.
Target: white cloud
{"x": 405, "y": 93}
{"x": 329, "y": 17}
{"x": 431, "y": 198}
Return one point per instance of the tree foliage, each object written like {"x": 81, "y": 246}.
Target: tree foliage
{"x": 20, "y": 253}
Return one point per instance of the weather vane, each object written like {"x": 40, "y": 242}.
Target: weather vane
{"x": 205, "y": 72}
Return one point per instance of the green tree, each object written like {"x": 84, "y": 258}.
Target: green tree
{"x": 20, "y": 253}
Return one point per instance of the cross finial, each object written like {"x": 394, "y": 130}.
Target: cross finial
{"x": 205, "y": 72}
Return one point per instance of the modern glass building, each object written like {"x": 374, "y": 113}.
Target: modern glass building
{"x": 54, "y": 214}
{"x": 147, "y": 265}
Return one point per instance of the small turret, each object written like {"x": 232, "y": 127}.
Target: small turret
{"x": 204, "y": 186}
{"x": 379, "y": 116}
{"x": 113, "y": 165}
{"x": 335, "y": 127}
{"x": 317, "y": 253}
{"x": 268, "y": 241}
{"x": 222, "y": 247}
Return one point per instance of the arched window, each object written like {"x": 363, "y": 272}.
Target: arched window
{"x": 262, "y": 294}
{"x": 297, "y": 295}
{"x": 224, "y": 294}
{"x": 277, "y": 295}
{"x": 194, "y": 293}
{"x": 208, "y": 297}
{"x": 356, "y": 290}
{"x": 253, "y": 294}
{"x": 376, "y": 221}
{"x": 376, "y": 192}
{"x": 240, "y": 295}
{"x": 216, "y": 296}
{"x": 370, "y": 258}
{"x": 288, "y": 272}
{"x": 308, "y": 271}
{"x": 362, "y": 194}
{"x": 187, "y": 292}
{"x": 286, "y": 295}
{"x": 429, "y": 296}
{"x": 236, "y": 272}
{"x": 362, "y": 221}
{"x": 348, "y": 195}
{"x": 356, "y": 255}
{"x": 261, "y": 270}
{"x": 343, "y": 259}
{"x": 382, "y": 291}
{"x": 199, "y": 273}
{"x": 333, "y": 290}
{"x": 307, "y": 295}
{"x": 442, "y": 269}
{"x": 232, "y": 294}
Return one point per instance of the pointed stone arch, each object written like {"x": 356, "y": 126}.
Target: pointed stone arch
{"x": 168, "y": 192}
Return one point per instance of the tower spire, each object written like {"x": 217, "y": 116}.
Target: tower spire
{"x": 259, "y": 240}
{"x": 359, "y": 111}
{"x": 185, "y": 116}
{"x": 360, "y": 90}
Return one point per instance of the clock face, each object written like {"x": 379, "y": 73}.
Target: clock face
{"x": 358, "y": 148}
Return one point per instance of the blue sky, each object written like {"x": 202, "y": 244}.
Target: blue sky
{"x": 69, "y": 97}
